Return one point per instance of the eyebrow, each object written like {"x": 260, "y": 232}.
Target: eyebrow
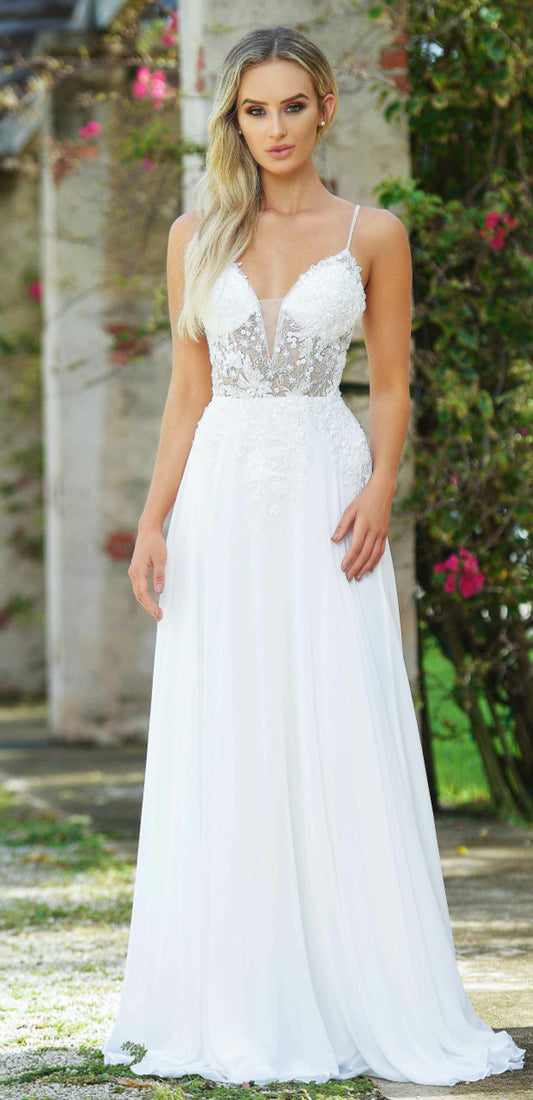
{"x": 299, "y": 95}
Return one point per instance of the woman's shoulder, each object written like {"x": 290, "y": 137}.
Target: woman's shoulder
{"x": 380, "y": 222}
{"x": 183, "y": 227}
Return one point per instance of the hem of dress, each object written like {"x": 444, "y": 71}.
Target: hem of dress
{"x": 147, "y": 1066}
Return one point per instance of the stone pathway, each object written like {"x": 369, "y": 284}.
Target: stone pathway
{"x": 488, "y": 870}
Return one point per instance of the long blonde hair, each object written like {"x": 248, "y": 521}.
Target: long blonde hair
{"x": 229, "y": 192}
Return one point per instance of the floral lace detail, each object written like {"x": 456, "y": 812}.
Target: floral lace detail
{"x": 271, "y": 442}
{"x": 313, "y": 333}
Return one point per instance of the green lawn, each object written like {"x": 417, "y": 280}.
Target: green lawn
{"x": 460, "y": 775}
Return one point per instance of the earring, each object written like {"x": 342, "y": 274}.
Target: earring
{"x": 322, "y": 123}
{"x": 239, "y": 131}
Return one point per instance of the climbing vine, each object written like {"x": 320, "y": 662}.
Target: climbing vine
{"x": 468, "y": 207}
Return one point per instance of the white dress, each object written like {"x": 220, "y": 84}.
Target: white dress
{"x": 289, "y": 916}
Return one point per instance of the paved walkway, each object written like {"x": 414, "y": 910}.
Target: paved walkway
{"x": 488, "y": 871}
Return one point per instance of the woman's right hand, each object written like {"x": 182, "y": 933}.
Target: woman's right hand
{"x": 150, "y": 552}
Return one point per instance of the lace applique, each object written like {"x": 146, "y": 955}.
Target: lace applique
{"x": 271, "y": 443}
{"x": 300, "y": 359}
{"x": 313, "y": 331}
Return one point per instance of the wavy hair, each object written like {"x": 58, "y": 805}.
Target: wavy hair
{"x": 229, "y": 194}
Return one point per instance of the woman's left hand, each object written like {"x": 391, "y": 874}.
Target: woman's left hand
{"x": 370, "y": 514}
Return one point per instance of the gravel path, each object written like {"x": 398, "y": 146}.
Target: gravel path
{"x": 63, "y": 939}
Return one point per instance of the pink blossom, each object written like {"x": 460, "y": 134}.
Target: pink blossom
{"x": 141, "y": 85}
{"x": 451, "y": 563}
{"x": 150, "y": 84}
{"x": 158, "y": 87}
{"x": 496, "y": 221}
{"x": 463, "y": 568}
{"x": 169, "y": 36}
{"x": 498, "y": 241}
{"x": 34, "y": 290}
{"x": 491, "y": 220}
{"x": 91, "y": 129}
{"x": 470, "y": 585}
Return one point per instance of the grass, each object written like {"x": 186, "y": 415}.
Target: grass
{"x": 461, "y": 779}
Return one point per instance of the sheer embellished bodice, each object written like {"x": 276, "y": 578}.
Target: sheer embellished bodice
{"x": 291, "y": 345}
{"x": 295, "y": 348}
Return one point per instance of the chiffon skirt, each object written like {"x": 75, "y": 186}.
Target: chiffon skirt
{"x": 289, "y": 918}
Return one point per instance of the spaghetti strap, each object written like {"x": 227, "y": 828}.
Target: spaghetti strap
{"x": 355, "y": 213}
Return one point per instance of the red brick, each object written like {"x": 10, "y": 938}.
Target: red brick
{"x": 393, "y": 57}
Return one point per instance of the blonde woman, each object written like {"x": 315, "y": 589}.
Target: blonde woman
{"x": 289, "y": 918}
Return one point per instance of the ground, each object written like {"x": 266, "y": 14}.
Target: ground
{"x": 67, "y": 854}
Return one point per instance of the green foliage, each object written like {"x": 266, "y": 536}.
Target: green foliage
{"x": 469, "y": 213}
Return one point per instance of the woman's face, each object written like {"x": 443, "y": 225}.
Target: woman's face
{"x": 277, "y": 105}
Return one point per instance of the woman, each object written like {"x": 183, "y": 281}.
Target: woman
{"x": 289, "y": 916}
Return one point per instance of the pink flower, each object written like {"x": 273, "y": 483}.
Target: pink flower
{"x": 463, "y": 568}
{"x": 496, "y": 222}
{"x": 451, "y": 563}
{"x": 150, "y": 84}
{"x": 470, "y": 585}
{"x": 141, "y": 84}
{"x": 491, "y": 220}
{"x": 34, "y": 290}
{"x": 498, "y": 241}
{"x": 91, "y": 129}
{"x": 169, "y": 36}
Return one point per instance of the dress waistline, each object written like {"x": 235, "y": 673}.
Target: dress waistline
{"x": 293, "y": 398}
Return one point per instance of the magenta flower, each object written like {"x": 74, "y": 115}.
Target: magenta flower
{"x": 461, "y": 569}
{"x": 495, "y": 229}
{"x": 92, "y": 129}
{"x": 169, "y": 36}
{"x": 150, "y": 84}
{"x": 141, "y": 84}
{"x": 34, "y": 290}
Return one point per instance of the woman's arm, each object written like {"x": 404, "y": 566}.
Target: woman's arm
{"x": 189, "y": 392}
{"x": 387, "y": 332}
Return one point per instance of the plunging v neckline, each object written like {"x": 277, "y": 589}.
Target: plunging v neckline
{"x": 257, "y": 301}
{"x": 331, "y": 256}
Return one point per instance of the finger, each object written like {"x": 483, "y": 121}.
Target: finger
{"x": 142, "y": 595}
{"x": 374, "y": 559}
{"x": 159, "y": 575}
{"x": 359, "y": 537}
{"x": 344, "y": 523}
{"x": 361, "y": 559}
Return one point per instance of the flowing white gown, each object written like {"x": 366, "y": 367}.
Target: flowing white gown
{"x": 289, "y": 916}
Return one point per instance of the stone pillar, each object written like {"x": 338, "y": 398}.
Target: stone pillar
{"x": 101, "y": 419}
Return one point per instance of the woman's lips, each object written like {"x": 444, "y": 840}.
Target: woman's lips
{"x": 279, "y": 154}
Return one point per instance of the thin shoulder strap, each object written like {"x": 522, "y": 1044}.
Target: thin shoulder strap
{"x": 355, "y": 213}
